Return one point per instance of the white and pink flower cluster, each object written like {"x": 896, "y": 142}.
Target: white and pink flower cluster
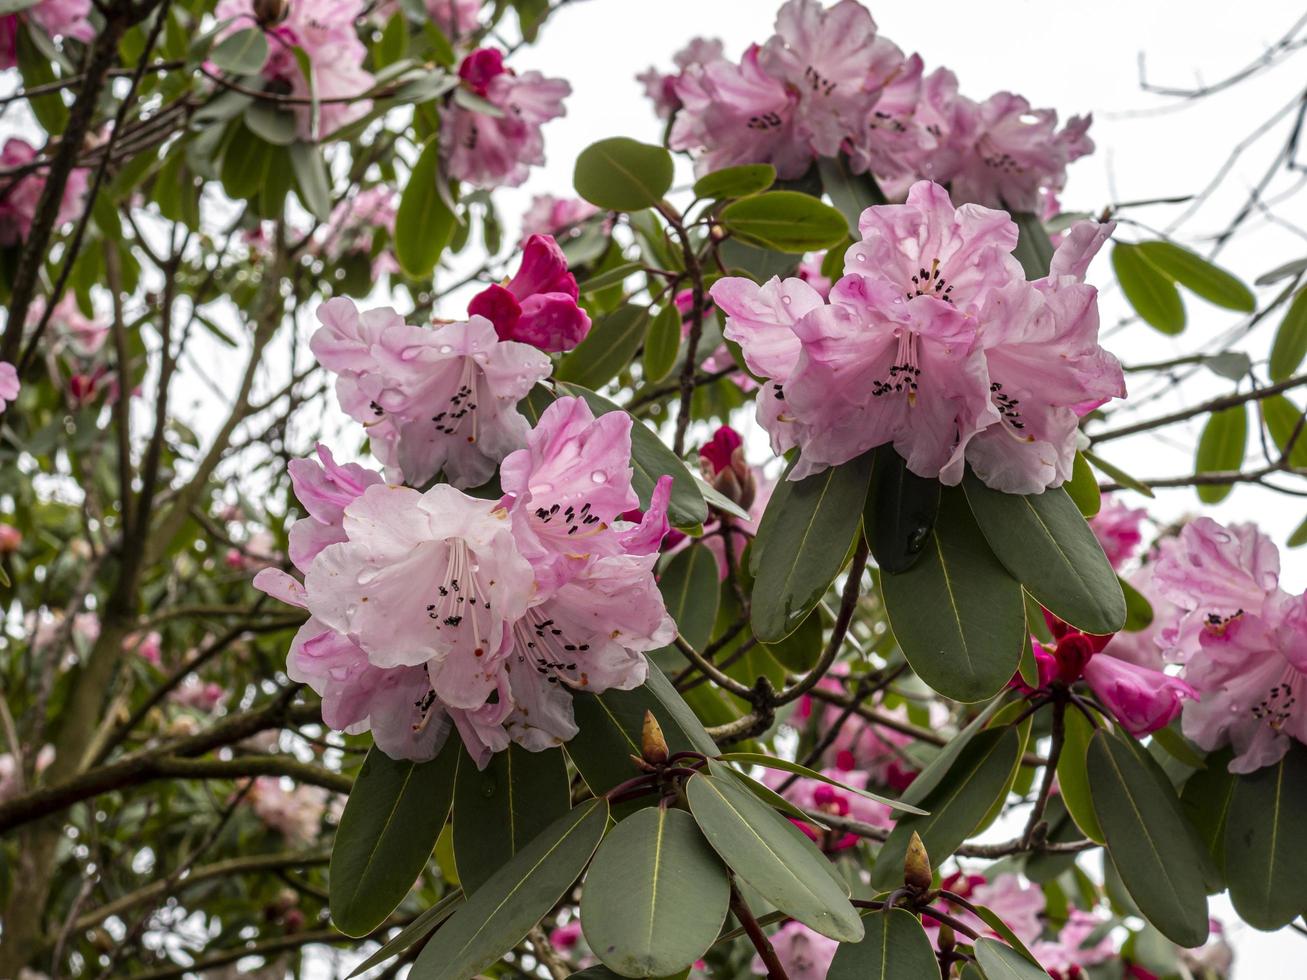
{"x": 826, "y": 83}
{"x": 935, "y": 342}
{"x": 438, "y": 608}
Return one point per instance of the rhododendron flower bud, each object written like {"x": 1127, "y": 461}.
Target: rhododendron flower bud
{"x": 11, "y": 539}
{"x": 917, "y": 876}
{"x": 1142, "y": 700}
{"x": 653, "y": 744}
{"x": 491, "y": 151}
{"x": 724, "y": 467}
{"x": 538, "y": 305}
{"x": 10, "y": 386}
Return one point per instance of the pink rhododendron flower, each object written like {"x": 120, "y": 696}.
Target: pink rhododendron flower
{"x": 354, "y": 224}
{"x": 296, "y": 814}
{"x": 10, "y": 386}
{"x": 58, "y": 18}
{"x": 148, "y": 646}
{"x": 84, "y": 337}
{"x": 819, "y": 797}
{"x": 1017, "y": 902}
{"x": 18, "y": 204}
{"x": 1116, "y": 527}
{"x": 324, "y": 30}
{"x": 1066, "y": 956}
{"x": 204, "y": 696}
{"x": 660, "y": 87}
{"x": 457, "y": 18}
{"x": 549, "y": 215}
{"x": 433, "y": 399}
{"x": 492, "y": 151}
{"x": 325, "y": 488}
{"x": 538, "y": 305}
{"x": 805, "y": 955}
{"x": 810, "y": 272}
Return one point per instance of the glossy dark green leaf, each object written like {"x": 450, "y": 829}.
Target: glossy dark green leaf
{"x": 242, "y": 53}
{"x": 1147, "y": 838}
{"x": 787, "y": 221}
{"x": 1149, "y": 290}
{"x": 1265, "y": 847}
{"x": 245, "y": 165}
{"x": 939, "y": 766}
{"x": 1221, "y": 448}
{"x": 759, "y": 263}
{"x": 661, "y": 344}
{"x": 772, "y": 856}
{"x": 741, "y": 181}
{"x": 504, "y": 909}
{"x": 850, "y": 193}
{"x": 1073, "y": 774}
{"x": 895, "y": 947}
{"x": 1034, "y": 249}
{"x": 610, "y": 277}
{"x": 419, "y": 928}
{"x": 785, "y": 765}
{"x": 621, "y": 174}
{"x": 499, "y": 810}
{"x": 1199, "y": 276}
{"x": 1002, "y": 962}
{"x": 1119, "y": 475}
{"x": 273, "y": 125}
{"x": 424, "y": 224}
{"x": 1282, "y": 418}
{"x": 1205, "y": 801}
{"x": 655, "y": 896}
{"x": 1045, "y": 543}
{"x": 977, "y": 780}
{"x": 1138, "y": 610}
{"x": 798, "y": 652}
{"x": 312, "y": 182}
{"x": 806, "y": 544}
{"x": 650, "y": 459}
{"x": 1083, "y": 488}
{"x": 900, "y": 512}
{"x": 608, "y": 348}
{"x": 690, "y": 591}
{"x": 1290, "y": 346}
{"x": 957, "y": 614}
{"x": 390, "y": 825}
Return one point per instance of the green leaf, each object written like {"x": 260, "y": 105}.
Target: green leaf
{"x": 8, "y": 7}
{"x": 1221, "y": 448}
{"x": 1047, "y": 546}
{"x": 1034, "y": 249}
{"x": 505, "y": 908}
{"x": 772, "y": 856}
{"x": 765, "y": 793}
{"x": 900, "y": 512}
{"x": 976, "y": 781}
{"x": 1083, "y": 488}
{"x": 1299, "y": 536}
{"x": 805, "y": 545}
{"x": 1148, "y": 841}
{"x": 1172, "y": 741}
{"x": 1281, "y": 417}
{"x": 621, "y": 174}
{"x": 1138, "y": 610}
{"x": 690, "y": 591}
{"x": 741, "y": 181}
{"x": 1119, "y": 475}
{"x": 787, "y": 221}
{"x": 312, "y": 182}
{"x": 850, "y": 193}
{"x": 895, "y": 947}
{"x": 423, "y": 224}
{"x": 957, "y": 615}
{"x": 610, "y": 277}
{"x": 939, "y": 766}
{"x": 1290, "y": 346}
{"x": 650, "y": 459}
{"x": 798, "y": 652}
{"x": 500, "y": 810}
{"x": 656, "y": 895}
{"x": 269, "y": 123}
{"x": 1199, "y": 276}
{"x": 419, "y": 928}
{"x": 390, "y": 825}
{"x": 245, "y": 165}
{"x": 242, "y": 53}
{"x": 1073, "y": 774}
{"x": 785, "y": 765}
{"x": 1265, "y": 847}
{"x": 661, "y": 344}
{"x": 1002, "y": 962}
{"x": 607, "y": 349}
{"x": 1205, "y": 803}
{"x": 1149, "y": 290}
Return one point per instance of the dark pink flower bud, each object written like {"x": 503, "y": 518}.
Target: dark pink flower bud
{"x": 479, "y": 67}
{"x": 538, "y": 305}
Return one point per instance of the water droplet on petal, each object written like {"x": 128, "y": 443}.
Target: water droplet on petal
{"x": 599, "y": 476}
{"x": 786, "y": 300}
{"x": 861, "y": 256}
{"x": 446, "y": 349}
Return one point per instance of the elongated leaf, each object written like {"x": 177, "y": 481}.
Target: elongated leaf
{"x": 1290, "y": 346}
{"x": 895, "y": 947}
{"x": 939, "y": 766}
{"x": 770, "y": 855}
{"x": 419, "y": 928}
{"x": 651, "y": 459}
{"x": 1221, "y": 448}
{"x": 741, "y": 181}
{"x": 607, "y": 349}
{"x": 1034, "y": 249}
{"x": 1148, "y": 841}
{"x": 787, "y": 221}
{"x": 611, "y": 277}
{"x": 900, "y": 512}
{"x": 390, "y": 825}
{"x": 1002, "y": 962}
{"x": 312, "y": 182}
{"x": 1138, "y": 610}
{"x": 1083, "y": 488}
{"x": 1199, "y": 276}
{"x": 505, "y": 908}
{"x": 1265, "y": 848}
{"x": 1282, "y": 417}
{"x": 1206, "y": 800}
{"x": 975, "y": 782}
{"x": 661, "y": 344}
{"x": 805, "y": 545}
{"x": 765, "y": 793}
{"x": 799, "y": 651}
{"x": 1073, "y": 774}
{"x": 690, "y": 591}
{"x": 1045, "y": 543}
{"x": 785, "y": 765}
{"x": 423, "y": 224}
{"x": 245, "y": 165}
{"x": 656, "y": 895}
{"x": 1150, "y": 291}
{"x": 1119, "y": 475}
{"x": 621, "y": 174}
{"x": 957, "y": 614}
{"x": 850, "y": 193}
{"x": 498, "y": 811}
{"x": 242, "y": 53}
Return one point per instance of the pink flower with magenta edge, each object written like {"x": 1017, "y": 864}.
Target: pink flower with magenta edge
{"x": 58, "y": 18}
{"x": 488, "y": 151}
{"x": 10, "y": 386}
{"x": 538, "y": 305}
{"x": 18, "y": 205}
{"x": 805, "y": 954}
